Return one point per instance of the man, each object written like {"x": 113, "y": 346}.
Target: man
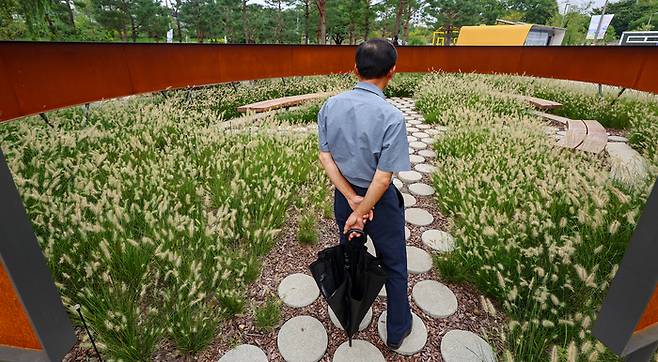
{"x": 363, "y": 141}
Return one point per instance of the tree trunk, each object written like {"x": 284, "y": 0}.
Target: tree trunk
{"x": 322, "y": 21}
{"x": 133, "y": 29}
{"x": 366, "y": 21}
{"x": 448, "y": 35}
{"x": 398, "y": 20}
{"x": 405, "y": 29}
{"x": 306, "y": 20}
{"x": 279, "y": 23}
{"x": 69, "y": 11}
{"x": 245, "y": 23}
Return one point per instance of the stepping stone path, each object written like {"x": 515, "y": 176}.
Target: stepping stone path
{"x": 363, "y": 325}
{"x": 464, "y": 346}
{"x": 425, "y": 168}
{"x": 302, "y": 338}
{"x": 414, "y": 342}
{"x": 427, "y": 153}
{"x": 434, "y": 298}
{"x": 408, "y": 200}
{"x": 361, "y": 351}
{"x": 418, "y": 217}
{"x": 421, "y": 189}
{"x": 409, "y": 176}
{"x": 298, "y": 290}
{"x": 418, "y": 260}
{"x": 244, "y": 352}
{"x": 438, "y": 240}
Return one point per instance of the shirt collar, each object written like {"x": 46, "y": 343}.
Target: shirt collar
{"x": 370, "y": 88}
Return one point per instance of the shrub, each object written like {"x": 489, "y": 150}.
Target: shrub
{"x": 154, "y": 217}
{"x": 268, "y": 315}
{"x": 539, "y": 229}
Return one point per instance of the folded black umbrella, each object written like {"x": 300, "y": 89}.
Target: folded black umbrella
{"x": 349, "y": 279}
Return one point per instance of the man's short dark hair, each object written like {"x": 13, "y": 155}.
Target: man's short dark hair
{"x": 375, "y": 58}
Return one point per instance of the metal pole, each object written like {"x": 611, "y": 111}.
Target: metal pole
{"x": 598, "y": 27}
{"x": 643, "y": 354}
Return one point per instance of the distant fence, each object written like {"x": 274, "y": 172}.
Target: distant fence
{"x": 40, "y": 76}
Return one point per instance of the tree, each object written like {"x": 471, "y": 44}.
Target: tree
{"x": 451, "y": 14}
{"x": 632, "y": 15}
{"x": 535, "y": 11}
{"x": 134, "y": 17}
{"x": 322, "y": 21}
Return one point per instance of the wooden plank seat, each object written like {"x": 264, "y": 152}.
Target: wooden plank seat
{"x": 551, "y": 117}
{"x": 539, "y": 103}
{"x": 283, "y": 102}
{"x": 584, "y": 135}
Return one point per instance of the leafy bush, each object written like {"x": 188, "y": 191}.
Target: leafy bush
{"x": 268, "y": 315}
{"x": 154, "y": 216}
{"x": 403, "y": 85}
{"x": 538, "y": 229}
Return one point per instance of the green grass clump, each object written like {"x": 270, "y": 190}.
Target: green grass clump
{"x": 268, "y": 315}
{"x": 307, "y": 113}
{"x": 307, "y": 230}
{"x": 403, "y": 84}
{"x": 538, "y": 229}
{"x": 153, "y": 216}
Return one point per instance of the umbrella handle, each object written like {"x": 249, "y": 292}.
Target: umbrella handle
{"x": 357, "y": 231}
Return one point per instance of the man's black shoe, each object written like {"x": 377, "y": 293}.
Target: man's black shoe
{"x": 397, "y": 345}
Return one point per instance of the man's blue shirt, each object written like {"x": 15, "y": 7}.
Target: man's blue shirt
{"x": 363, "y": 133}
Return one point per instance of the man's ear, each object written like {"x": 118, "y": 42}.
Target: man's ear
{"x": 356, "y": 71}
{"x": 390, "y": 73}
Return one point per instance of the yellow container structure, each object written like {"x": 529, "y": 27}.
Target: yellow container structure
{"x": 517, "y": 34}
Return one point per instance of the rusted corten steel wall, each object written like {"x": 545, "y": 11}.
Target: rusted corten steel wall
{"x": 37, "y": 77}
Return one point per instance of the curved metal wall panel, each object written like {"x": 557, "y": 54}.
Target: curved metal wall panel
{"x": 38, "y": 76}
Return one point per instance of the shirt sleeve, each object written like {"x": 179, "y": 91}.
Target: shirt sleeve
{"x": 394, "y": 156}
{"x": 322, "y": 130}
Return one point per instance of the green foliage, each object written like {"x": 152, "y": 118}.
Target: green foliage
{"x": 267, "y": 316}
{"x": 403, "y": 85}
{"x": 535, "y": 11}
{"x": 632, "y": 15}
{"x": 154, "y": 217}
{"x": 307, "y": 229}
{"x": 307, "y": 113}
{"x": 537, "y": 228}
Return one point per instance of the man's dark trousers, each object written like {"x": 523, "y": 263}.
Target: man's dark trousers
{"x": 387, "y": 233}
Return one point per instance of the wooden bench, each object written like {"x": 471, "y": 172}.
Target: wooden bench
{"x": 588, "y": 136}
{"x": 539, "y": 103}
{"x": 284, "y": 102}
{"x": 551, "y": 117}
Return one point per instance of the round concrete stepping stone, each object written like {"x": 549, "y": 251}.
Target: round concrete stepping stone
{"x": 434, "y": 299}
{"x": 429, "y": 141}
{"x": 420, "y": 134}
{"x": 432, "y": 132}
{"x": 412, "y": 139}
{"x": 421, "y": 189}
{"x": 425, "y": 168}
{"x": 365, "y": 322}
{"x": 412, "y": 130}
{"x": 418, "y": 145}
{"x": 244, "y": 352}
{"x": 399, "y": 184}
{"x": 561, "y": 133}
{"x": 411, "y": 150}
{"x": 414, "y": 343}
{"x": 298, "y": 290}
{"x": 361, "y": 351}
{"x": 407, "y": 233}
{"x": 382, "y": 292}
{"x": 414, "y": 122}
{"x": 418, "y": 217}
{"x": 424, "y": 126}
{"x": 371, "y": 247}
{"x": 438, "y": 240}
{"x": 416, "y": 159}
{"x": 409, "y": 176}
{"x": 418, "y": 260}
{"x": 408, "y": 200}
{"x": 464, "y": 346}
{"x": 427, "y": 153}
{"x": 302, "y": 338}
{"x": 617, "y": 139}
